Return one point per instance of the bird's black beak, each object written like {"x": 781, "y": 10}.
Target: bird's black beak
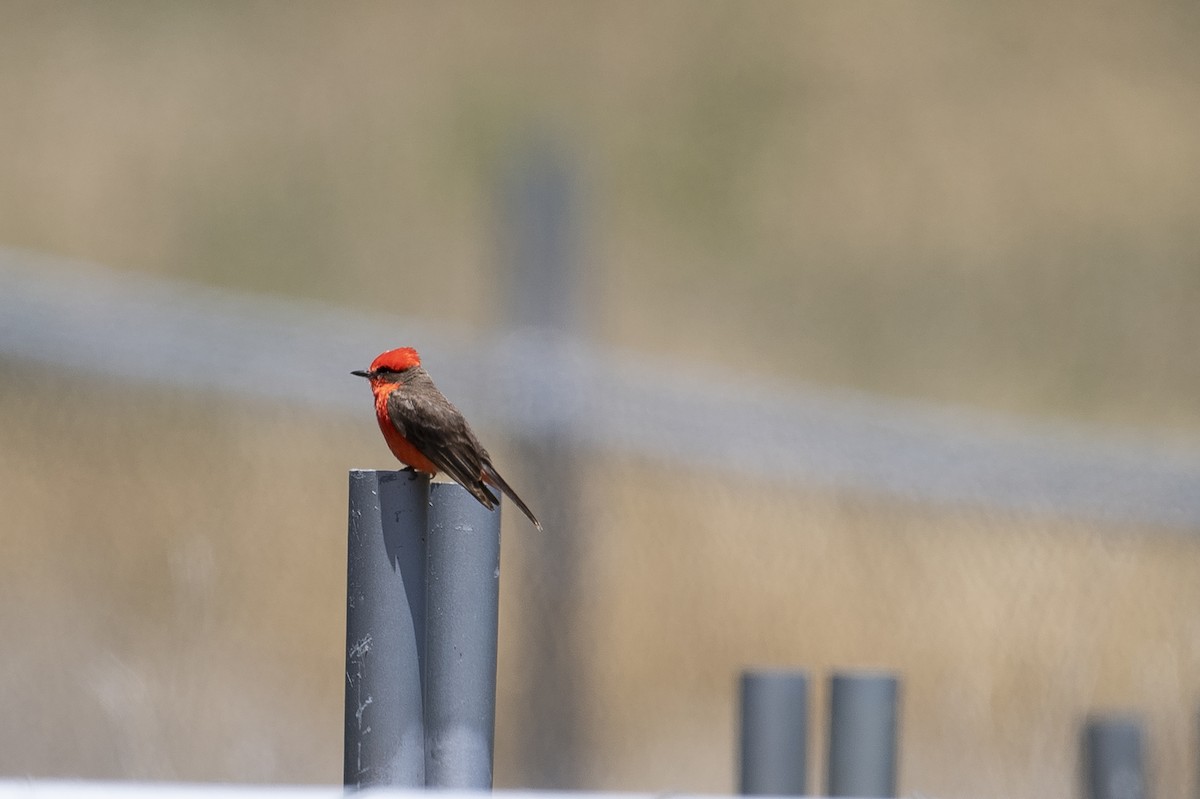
{"x": 360, "y": 373}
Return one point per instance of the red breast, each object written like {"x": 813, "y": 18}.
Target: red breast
{"x": 398, "y": 444}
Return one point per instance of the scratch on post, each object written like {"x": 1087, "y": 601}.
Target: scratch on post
{"x": 362, "y": 706}
{"x": 357, "y": 653}
{"x": 359, "y": 713}
{"x": 361, "y": 647}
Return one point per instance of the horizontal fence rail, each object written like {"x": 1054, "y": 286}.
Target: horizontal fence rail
{"x": 84, "y": 316}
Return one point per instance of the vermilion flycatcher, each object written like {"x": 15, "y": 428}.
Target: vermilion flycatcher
{"x": 427, "y": 433}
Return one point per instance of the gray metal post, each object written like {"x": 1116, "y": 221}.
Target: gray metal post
{"x": 462, "y": 599}
{"x": 774, "y": 733}
{"x": 1113, "y": 763}
{"x": 862, "y": 734}
{"x": 385, "y": 635}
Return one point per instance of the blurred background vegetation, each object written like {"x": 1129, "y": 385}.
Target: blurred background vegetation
{"x": 983, "y": 205}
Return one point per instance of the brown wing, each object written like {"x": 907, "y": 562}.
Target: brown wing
{"x": 426, "y": 418}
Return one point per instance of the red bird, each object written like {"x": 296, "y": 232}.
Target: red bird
{"x": 429, "y": 434}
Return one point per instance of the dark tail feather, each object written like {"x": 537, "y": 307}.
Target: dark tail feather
{"x": 492, "y": 476}
{"x": 485, "y": 496}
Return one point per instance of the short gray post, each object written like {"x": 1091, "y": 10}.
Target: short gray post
{"x": 462, "y": 597}
{"x": 1113, "y": 763}
{"x": 862, "y": 734}
{"x": 385, "y": 630}
{"x": 774, "y": 733}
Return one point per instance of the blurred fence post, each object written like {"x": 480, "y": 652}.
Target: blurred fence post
{"x": 462, "y": 600}
{"x": 774, "y": 733}
{"x": 540, "y": 252}
{"x": 862, "y": 734}
{"x": 385, "y": 630}
{"x": 1114, "y": 767}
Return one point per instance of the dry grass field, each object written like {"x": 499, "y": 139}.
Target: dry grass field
{"x": 990, "y": 206}
{"x": 174, "y": 588}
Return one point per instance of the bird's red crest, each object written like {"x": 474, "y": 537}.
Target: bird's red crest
{"x": 397, "y": 360}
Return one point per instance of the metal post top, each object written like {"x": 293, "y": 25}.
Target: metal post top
{"x": 865, "y": 675}
{"x": 774, "y": 673}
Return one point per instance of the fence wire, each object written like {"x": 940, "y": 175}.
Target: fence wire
{"x": 83, "y": 316}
